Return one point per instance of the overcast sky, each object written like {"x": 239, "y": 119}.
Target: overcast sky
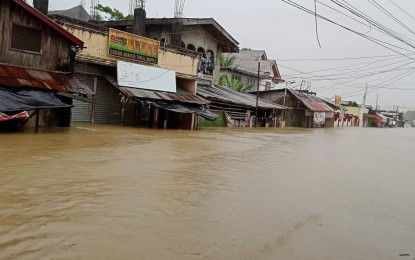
{"x": 287, "y": 33}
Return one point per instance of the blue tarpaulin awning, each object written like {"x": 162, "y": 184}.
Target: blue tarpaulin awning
{"x": 186, "y": 109}
{"x": 12, "y": 100}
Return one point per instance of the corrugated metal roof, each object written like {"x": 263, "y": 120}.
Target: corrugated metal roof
{"x": 12, "y": 76}
{"x": 230, "y": 95}
{"x": 312, "y": 102}
{"x": 179, "y": 96}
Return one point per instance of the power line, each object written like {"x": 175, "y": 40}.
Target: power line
{"x": 342, "y": 59}
{"x": 374, "y": 40}
{"x": 402, "y": 10}
{"x": 376, "y": 24}
{"x": 380, "y": 7}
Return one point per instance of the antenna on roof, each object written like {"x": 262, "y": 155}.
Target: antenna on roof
{"x": 81, "y": 14}
{"x": 94, "y": 11}
{"x": 178, "y": 8}
{"x": 137, "y": 4}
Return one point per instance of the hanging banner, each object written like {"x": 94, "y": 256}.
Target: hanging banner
{"x": 133, "y": 47}
{"x": 319, "y": 118}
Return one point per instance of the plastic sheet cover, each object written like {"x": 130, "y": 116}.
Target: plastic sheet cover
{"x": 187, "y": 109}
{"x": 24, "y": 100}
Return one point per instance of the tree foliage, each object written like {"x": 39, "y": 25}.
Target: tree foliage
{"x": 224, "y": 81}
{"x": 112, "y": 14}
{"x": 227, "y": 62}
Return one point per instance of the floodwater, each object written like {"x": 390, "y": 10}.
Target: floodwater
{"x": 106, "y": 192}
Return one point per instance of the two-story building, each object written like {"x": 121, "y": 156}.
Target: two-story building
{"x": 37, "y": 58}
{"x": 243, "y": 68}
{"x": 135, "y": 81}
{"x": 204, "y": 36}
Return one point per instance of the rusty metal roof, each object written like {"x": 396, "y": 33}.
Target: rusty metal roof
{"x": 313, "y": 103}
{"x": 310, "y": 101}
{"x": 13, "y": 76}
{"x": 179, "y": 96}
{"x": 230, "y": 95}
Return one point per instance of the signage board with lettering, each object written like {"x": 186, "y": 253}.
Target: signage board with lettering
{"x": 133, "y": 47}
{"x": 338, "y": 101}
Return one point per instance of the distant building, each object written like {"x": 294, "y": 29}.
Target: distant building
{"x": 305, "y": 109}
{"x": 77, "y": 12}
{"x": 243, "y": 67}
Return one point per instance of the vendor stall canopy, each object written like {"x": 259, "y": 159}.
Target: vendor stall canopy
{"x": 28, "y": 99}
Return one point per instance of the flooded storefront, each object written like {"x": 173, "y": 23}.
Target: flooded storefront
{"x": 107, "y": 192}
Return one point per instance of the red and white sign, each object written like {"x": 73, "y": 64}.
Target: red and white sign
{"x": 22, "y": 115}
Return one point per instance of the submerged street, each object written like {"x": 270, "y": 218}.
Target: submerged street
{"x": 105, "y": 192}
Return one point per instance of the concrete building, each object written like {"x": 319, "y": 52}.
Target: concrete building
{"x": 242, "y": 67}
{"x": 97, "y": 66}
{"x": 203, "y": 36}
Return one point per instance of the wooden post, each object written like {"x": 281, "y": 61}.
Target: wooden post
{"x": 37, "y": 121}
{"x": 155, "y": 117}
{"x": 165, "y": 120}
{"x": 94, "y": 101}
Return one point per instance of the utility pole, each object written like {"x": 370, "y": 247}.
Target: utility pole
{"x": 377, "y": 98}
{"x": 257, "y": 93}
{"x": 363, "y": 107}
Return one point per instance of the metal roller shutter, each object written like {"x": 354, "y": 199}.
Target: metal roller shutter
{"x": 108, "y": 103}
{"x": 82, "y": 111}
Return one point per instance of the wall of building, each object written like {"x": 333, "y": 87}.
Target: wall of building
{"x": 55, "y": 54}
{"x": 96, "y": 44}
{"x": 246, "y": 79}
{"x": 219, "y": 122}
{"x": 195, "y": 35}
{"x": 173, "y": 60}
{"x": 353, "y": 111}
{"x": 188, "y": 85}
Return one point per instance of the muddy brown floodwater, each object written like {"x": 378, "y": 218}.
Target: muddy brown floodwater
{"x": 106, "y": 192}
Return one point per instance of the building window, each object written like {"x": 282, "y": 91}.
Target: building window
{"x": 236, "y": 78}
{"x": 268, "y": 85}
{"x": 251, "y": 83}
{"x": 26, "y": 39}
{"x": 191, "y": 47}
{"x": 201, "y": 50}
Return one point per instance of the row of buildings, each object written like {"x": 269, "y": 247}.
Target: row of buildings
{"x": 177, "y": 73}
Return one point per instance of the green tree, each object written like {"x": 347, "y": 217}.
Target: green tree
{"x": 112, "y": 14}
{"x": 224, "y": 81}
{"x": 227, "y": 62}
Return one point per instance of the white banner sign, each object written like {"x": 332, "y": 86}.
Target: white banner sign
{"x": 145, "y": 77}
